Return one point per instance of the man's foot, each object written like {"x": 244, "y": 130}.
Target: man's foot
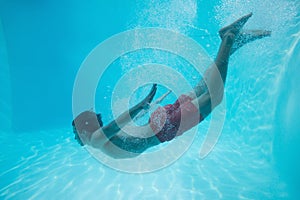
{"x": 235, "y": 27}
{"x": 246, "y": 36}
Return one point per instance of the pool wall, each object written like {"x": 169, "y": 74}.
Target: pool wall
{"x": 5, "y": 89}
{"x": 286, "y": 149}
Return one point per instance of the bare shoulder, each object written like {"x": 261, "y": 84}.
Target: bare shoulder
{"x": 98, "y": 139}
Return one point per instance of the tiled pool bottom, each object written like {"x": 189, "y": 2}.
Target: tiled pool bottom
{"x": 51, "y": 165}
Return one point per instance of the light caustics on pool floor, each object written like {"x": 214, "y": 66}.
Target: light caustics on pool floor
{"x": 57, "y": 168}
{"x": 50, "y": 164}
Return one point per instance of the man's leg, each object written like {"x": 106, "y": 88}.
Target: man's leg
{"x": 223, "y": 56}
{"x": 215, "y": 76}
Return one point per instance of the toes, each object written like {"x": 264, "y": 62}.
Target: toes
{"x": 236, "y": 26}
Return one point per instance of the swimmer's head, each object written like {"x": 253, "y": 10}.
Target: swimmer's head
{"x": 85, "y": 124}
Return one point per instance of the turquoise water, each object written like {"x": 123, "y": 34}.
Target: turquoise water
{"x": 42, "y": 47}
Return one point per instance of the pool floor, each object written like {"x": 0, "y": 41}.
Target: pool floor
{"x": 51, "y": 165}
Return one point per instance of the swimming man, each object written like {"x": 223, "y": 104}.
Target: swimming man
{"x": 172, "y": 120}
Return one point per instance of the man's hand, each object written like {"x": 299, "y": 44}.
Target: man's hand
{"x": 146, "y": 102}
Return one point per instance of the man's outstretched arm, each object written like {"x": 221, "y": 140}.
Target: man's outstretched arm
{"x": 113, "y": 127}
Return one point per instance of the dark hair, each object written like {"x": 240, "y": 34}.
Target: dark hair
{"x": 99, "y": 118}
{"x": 78, "y": 121}
{"x": 76, "y": 134}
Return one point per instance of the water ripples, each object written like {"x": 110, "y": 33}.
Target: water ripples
{"x": 62, "y": 169}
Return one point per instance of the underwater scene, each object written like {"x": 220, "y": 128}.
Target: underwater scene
{"x": 150, "y": 67}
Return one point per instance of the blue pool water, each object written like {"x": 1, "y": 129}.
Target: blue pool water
{"x": 42, "y": 45}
